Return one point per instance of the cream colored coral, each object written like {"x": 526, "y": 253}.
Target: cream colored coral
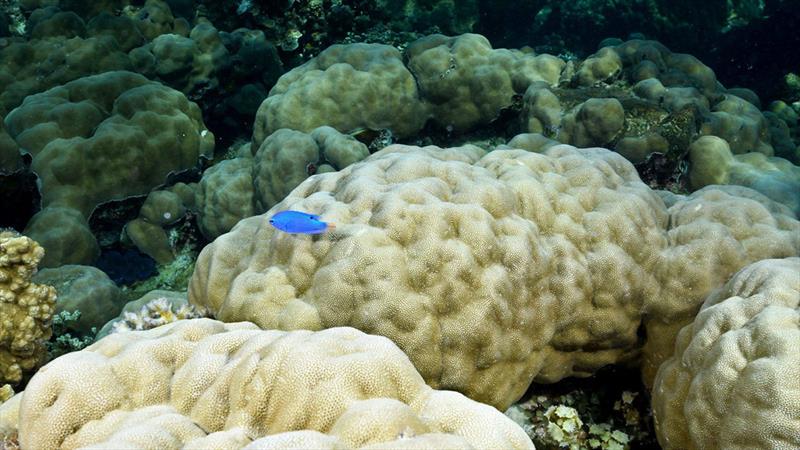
{"x": 493, "y": 271}
{"x": 734, "y": 382}
{"x": 204, "y": 383}
{"x": 25, "y": 307}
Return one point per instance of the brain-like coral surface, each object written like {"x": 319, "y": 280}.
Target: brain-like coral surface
{"x": 491, "y": 271}
{"x": 734, "y": 382}
{"x": 25, "y": 307}
{"x": 205, "y": 384}
{"x": 107, "y": 137}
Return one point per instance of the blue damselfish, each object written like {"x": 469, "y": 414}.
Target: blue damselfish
{"x": 299, "y": 222}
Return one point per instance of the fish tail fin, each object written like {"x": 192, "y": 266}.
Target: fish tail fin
{"x": 330, "y": 227}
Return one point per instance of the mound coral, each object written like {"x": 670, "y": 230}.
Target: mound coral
{"x": 351, "y": 87}
{"x": 86, "y": 289}
{"x": 493, "y": 271}
{"x": 75, "y": 134}
{"x": 712, "y": 162}
{"x": 734, "y": 382}
{"x": 205, "y": 384}
{"x": 25, "y": 307}
{"x": 467, "y": 82}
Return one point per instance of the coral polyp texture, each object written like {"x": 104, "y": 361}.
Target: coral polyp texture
{"x": 25, "y": 307}
{"x": 206, "y": 384}
{"x": 495, "y": 270}
{"x": 734, "y": 382}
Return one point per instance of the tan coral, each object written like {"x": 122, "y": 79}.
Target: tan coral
{"x": 734, "y": 382}
{"x": 493, "y": 271}
{"x": 202, "y": 382}
{"x": 25, "y": 307}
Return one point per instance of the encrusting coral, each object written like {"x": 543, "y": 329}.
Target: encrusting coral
{"x": 493, "y": 271}
{"x": 206, "y": 384}
{"x": 25, "y": 307}
{"x": 734, "y": 382}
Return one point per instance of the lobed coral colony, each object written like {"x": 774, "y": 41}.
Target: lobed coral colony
{"x": 492, "y": 234}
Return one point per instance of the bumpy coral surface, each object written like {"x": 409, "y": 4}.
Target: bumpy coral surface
{"x": 347, "y": 87}
{"x": 25, "y": 307}
{"x": 493, "y": 271}
{"x": 65, "y": 233}
{"x": 714, "y": 163}
{"x": 734, "y": 382}
{"x": 288, "y": 157}
{"x": 205, "y": 384}
{"x": 225, "y": 196}
{"x": 107, "y": 137}
{"x": 86, "y": 289}
{"x": 466, "y": 82}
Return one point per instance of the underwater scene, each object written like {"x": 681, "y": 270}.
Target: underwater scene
{"x": 399, "y": 224}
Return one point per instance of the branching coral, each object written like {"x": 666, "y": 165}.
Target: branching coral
{"x": 25, "y": 307}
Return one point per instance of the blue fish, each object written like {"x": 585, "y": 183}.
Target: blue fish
{"x": 299, "y": 222}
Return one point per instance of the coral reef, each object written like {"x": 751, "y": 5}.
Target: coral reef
{"x": 25, "y": 307}
{"x": 494, "y": 271}
{"x": 230, "y": 385}
{"x": 502, "y": 265}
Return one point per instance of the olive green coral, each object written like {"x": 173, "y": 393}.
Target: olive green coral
{"x": 25, "y": 307}
{"x": 107, "y": 137}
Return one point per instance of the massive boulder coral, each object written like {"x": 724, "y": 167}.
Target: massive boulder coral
{"x": 257, "y": 179}
{"x": 348, "y": 87}
{"x": 186, "y": 63}
{"x": 25, "y": 307}
{"x": 106, "y": 137}
{"x": 86, "y": 289}
{"x": 225, "y": 195}
{"x": 467, "y": 83}
{"x": 493, "y": 271}
{"x": 713, "y": 233}
{"x": 734, "y": 382}
{"x": 65, "y": 233}
{"x": 713, "y": 162}
{"x": 205, "y": 384}
{"x": 288, "y": 157}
